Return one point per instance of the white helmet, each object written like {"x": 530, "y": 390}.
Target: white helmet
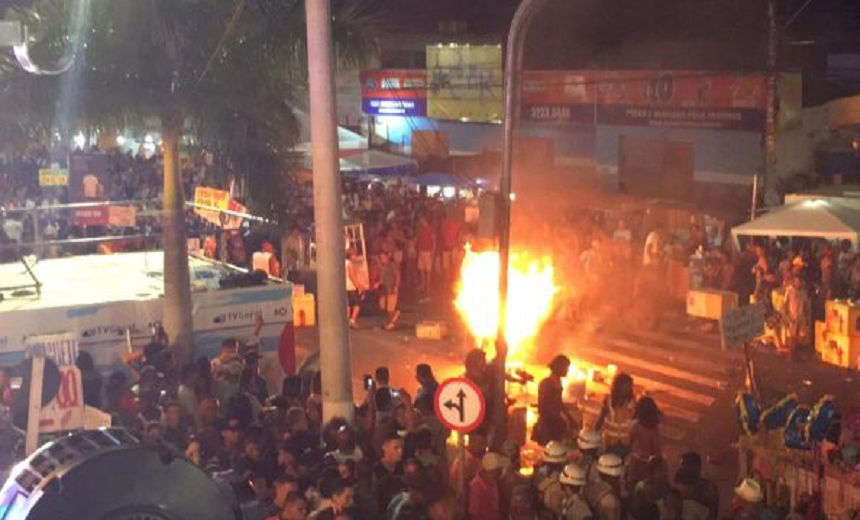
{"x": 555, "y": 453}
{"x": 572, "y": 475}
{"x": 610, "y": 464}
{"x": 589, "y": 439}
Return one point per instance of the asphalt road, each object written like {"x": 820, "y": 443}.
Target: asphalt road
{"x": 681, "y": 366}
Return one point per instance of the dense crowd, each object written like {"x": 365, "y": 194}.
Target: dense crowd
{"x": 394, "y": 461}
{"x": 135, "y": 178}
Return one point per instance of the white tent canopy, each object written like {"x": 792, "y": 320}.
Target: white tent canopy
{"x": 378, "y": 164}
{"x": 347, "y": 139}
{"x": 830, "y": 219}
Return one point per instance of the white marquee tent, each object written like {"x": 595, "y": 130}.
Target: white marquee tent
{"x": 830, "y": 219}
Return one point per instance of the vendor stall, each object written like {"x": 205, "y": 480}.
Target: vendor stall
{"x": 805, "y": 458}
{"x": 828, "y": 219}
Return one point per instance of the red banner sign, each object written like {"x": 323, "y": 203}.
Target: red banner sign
{"x": 672, "y": 89}
{"x": 690, "y": 99}
{"x": 394, "y": 84}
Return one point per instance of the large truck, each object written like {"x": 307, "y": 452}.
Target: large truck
{"x": 113, "y": 303}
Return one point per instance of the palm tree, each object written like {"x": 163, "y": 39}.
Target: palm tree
{"x": 208, "y": 67}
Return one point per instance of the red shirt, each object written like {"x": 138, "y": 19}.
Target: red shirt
{"x": 425, "y": 239}
{"x": 484, "y": 499}
{"x": 450, "y": 234}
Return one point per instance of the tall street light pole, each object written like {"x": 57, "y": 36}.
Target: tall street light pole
{"x": 771, "y": 84}
{"x": 513, "y": 85}
{"x": 335, "y": 362}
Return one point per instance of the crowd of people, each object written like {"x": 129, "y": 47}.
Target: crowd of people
{"x": 28, "y": 210}
{"x": 394, "y": 460}
{"x": 389, "y": 463}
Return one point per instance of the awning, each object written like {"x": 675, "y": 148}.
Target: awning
{"x": 445, "y": 179}
{"x": 347, "y": 139}
{"x": 830, "y": 219}
{"x": 373, "y": 163}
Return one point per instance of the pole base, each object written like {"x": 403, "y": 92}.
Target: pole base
{"x": 343, "y": 409}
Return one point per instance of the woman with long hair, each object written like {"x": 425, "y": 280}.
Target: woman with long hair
{"x": 645, "y": 441}
{"x": 616, "y": 416}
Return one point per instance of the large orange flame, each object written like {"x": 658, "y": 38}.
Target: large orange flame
{"x": 531, "y": 289}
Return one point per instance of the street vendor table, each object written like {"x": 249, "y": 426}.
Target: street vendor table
{"x": 710, "y": 303}
{"x": 786, "y": 475}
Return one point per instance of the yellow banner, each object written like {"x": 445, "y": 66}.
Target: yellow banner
{"x": 53, "y": 177}
{"x": 218, "y": 199}
{"x": 465, "y": 82}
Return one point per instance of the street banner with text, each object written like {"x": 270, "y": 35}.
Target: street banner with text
{"x": 210, "y": 197}
{"x": 53, "y": 177}
{"x": 645, "y": 98}
{"x": 741, "y": 325}
{"x": 66, "y": 410}
{"x": 464, "y": 82}
{"x": 394, "y": 92}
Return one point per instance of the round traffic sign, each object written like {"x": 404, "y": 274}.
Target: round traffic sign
{"x": 460, "y": 404}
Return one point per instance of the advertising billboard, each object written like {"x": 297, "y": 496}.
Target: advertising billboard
{"x": 464, "y": 82}
{"x": 645, "y": 98}
{"x": 394, "y": 92}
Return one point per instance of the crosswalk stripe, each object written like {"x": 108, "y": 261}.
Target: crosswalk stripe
{"x": 620, "y": 358}
{"x": 702, "y": 360}
{"x": 676, "y": 340}
{"x": 658, "y": 387}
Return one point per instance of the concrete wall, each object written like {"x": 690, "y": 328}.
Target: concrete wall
{"x": 721, "y": 156}
{"x": 796, "y": 147}
{"x": 574, "y": 146}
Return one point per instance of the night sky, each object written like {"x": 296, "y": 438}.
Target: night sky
{"x": 722, "y": 34}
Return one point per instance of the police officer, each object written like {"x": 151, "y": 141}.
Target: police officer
{"x": 604, "y": 496}
{"x": 573, "y": 480}
{"x": 589, "y": 445}
{"x": 546, "y": 483}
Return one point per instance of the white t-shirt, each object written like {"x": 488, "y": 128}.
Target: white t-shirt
{"x": 14, "y": 229}
{"x": 653, "y": 247}
{"x": 91, "y": 186}
{"x": 261, "y": 262}
{"x": 349, "y": 285}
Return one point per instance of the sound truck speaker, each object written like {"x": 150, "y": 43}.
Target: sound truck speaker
{"x": 107, "y": 475}
{"x": 21, "y": 375}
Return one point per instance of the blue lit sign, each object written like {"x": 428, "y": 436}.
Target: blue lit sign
{"x": 394, "y": 107}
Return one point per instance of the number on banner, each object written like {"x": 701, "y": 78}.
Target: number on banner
{"x": 68, "y": 395}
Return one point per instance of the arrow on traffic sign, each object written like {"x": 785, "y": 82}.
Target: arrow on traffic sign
{"x": 461, "y": 408}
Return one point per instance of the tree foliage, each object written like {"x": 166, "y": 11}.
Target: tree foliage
{"x": 230, "y": 70}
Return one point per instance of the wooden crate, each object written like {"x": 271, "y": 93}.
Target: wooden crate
{"x": 304, "y": 310}
{"x": 431, "y": 330}
{"x": 710, "y": 303}
{"x": 842, "y": 317}
{"x": 841, "y": 350}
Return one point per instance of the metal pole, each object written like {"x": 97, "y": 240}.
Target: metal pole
{"x": 513, "y": 70}
{"x": 753, "y": 209}
{"x": 771, "y": 77}
{"x": 331, "y": 264}
{"x": 37, "y": 374}
{"x": 461, "y": 473}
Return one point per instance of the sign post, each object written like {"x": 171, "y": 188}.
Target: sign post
{"x": 739, "y": 327}
{"x": 31, "y": 441}
{"x": 460, "y": 406}
{"x": 66, "y": 410}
